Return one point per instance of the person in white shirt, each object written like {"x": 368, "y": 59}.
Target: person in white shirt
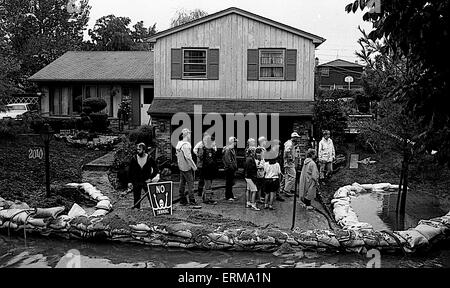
{"x": 326, "y": 155}
{"x": 187, "y": 168}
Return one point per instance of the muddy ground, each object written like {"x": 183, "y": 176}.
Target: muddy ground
{"x": 24, "y": 179}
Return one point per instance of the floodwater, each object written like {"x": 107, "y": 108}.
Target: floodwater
{"x": 40, "y": 252}
{"x": 377, "y": 209}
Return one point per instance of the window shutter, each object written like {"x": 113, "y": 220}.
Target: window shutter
{"x": 175, "y": 67}
{"x": 252, "y": 64}
{"x": 291, "y": 65}
{"x": 213, "y": 64}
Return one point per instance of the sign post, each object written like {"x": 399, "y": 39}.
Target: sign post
{"x": 160, "y": 197}
{"x": 348, "y": 79}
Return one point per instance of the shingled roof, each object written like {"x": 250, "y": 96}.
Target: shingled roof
{"x": 340, "y": 63}
{"x": 222, "y": 106}
{"x": 105, "y": 66}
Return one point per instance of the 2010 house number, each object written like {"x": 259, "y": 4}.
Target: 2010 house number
{"x": 35, "y": 153}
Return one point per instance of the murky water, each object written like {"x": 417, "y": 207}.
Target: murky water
{"x": 379, "y": 209}
{"x": 57, "y": 253}
{"x": 375, "y": 208}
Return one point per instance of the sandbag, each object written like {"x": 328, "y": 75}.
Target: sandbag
{"x": 19, "y": 205}
{"x": 48, "y": 212}
{"x": 18, "y": 216}
{"x": 10, "y": 225}
{"x": 358, "y": 188}
{"x": 367, "y": 187}
{"x": 342, "y": 192}
{"x": 98, "y": 213}
{"x": 104, "y": 204}
{"x": 76, "y": 211}
{"x": 381, "y": 186}
{"x": 59, "y": 223}
{"x": 413, "y": 238}
{"x": 141, "y": 227}
{"x": 36, "y": 222}
{"x": 428, "y": 231}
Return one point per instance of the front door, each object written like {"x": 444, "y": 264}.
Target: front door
{"x": 147, "y": 94}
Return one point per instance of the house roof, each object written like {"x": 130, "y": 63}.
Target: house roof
{"x": 170, "y": 105}
{"x": 317, "y": 40}
{"x": 124, "y": 66}
{"x": 340, "y": 63}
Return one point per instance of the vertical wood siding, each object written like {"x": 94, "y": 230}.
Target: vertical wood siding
{"x": 233, "y": 35}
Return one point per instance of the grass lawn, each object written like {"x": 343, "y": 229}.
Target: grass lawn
{"x": 24, "y": 179}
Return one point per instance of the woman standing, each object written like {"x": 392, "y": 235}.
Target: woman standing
{"x": 309, "y": 179}
{"x": 207, "y": 155}
{"x": 271, "y": 182}
{"x": 250, "y": 178}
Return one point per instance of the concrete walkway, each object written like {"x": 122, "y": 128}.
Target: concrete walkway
{"x": 96, "y": 174}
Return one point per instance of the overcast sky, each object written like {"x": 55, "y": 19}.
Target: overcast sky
{"x": 325, "y": 18}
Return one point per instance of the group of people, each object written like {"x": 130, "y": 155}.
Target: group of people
{"x": 270, "y": 173}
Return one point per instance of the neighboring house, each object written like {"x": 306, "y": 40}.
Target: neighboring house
{"x": 331, "y": 75}
{"x": 113, "y": 76}
{"x": 234, "y": 61}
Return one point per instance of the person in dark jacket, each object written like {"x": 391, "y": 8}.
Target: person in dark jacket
{"x": 250, "y": 177}
{"x": 207, "y": 156}
{"x": 142, "y": 170}
{"x": 230, "y": 165}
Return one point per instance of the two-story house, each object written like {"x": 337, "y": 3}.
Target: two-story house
{"x": 232, "y": 62}
{"x": 229, "y": 63}
{"x": 332, "y": 75}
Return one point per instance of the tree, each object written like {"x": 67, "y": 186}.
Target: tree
{"x": 182, "y": 16}
{"x": 36, "y": 32}
{"x": 416, "y": 31}
{"x": 329, "y": 114}
{"x": 112, "y": 33}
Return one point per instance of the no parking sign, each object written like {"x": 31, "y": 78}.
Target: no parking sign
{"x": 161, "y": 197}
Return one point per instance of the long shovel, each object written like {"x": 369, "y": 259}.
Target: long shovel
{"x": 295, "y": 200}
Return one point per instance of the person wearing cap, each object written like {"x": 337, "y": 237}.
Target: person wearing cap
{"x": 230, "y": 165}
{"x": 289, "y": 156}
{"x": 142, "y": 169}
{"x": 326, "y": 155}
{"x": 187, "y": 168}
{"x": 309, "y": 179}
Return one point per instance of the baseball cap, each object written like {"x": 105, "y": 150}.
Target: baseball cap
{"x": 185, "y": 131}
{"x": 295, "y": 134}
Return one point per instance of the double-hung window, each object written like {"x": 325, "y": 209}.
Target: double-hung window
{"x": 271, "y": 64}
{"x": 194, "y": 63}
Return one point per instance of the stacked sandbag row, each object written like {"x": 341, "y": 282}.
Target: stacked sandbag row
{"x": 103, "y": 206}
{"x": 18, "y": 216}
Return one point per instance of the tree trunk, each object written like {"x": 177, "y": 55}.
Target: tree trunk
{"x": 405, "y": 181}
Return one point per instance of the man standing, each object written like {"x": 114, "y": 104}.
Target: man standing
{"x": 230, "y": 165}
{"x": 326, "y": 155}
{"x": 200, "y": 170}
{"x": 289, "y": 165}
{"x": 142, "y": 170}
{"x": 187, "y": 168}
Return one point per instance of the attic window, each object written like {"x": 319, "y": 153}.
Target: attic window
{"x": 325, "y": 71}
{"x": 194, "y": 63}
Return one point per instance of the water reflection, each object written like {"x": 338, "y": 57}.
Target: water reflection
{"x": 379, "y": 209}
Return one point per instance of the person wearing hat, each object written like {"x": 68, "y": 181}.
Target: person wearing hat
{"x": 187, "y": 168}
{"x": 326, "y": 155}
{"x": 288, "y": 184}
{"x": 142, "y": 169}
{"x": 230, "y": 165}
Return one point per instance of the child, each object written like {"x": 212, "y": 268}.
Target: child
{"x": 260, "y": 174}
{"x": 271, "y": 182}
{"x": 250, "y": 178}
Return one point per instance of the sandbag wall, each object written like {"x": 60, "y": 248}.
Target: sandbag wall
{"x": 423, "y": 236}
{"x": 354, "y": 237}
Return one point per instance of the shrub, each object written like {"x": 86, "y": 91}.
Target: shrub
{"x": 100, "y": 121}
{"x": 143, "y": 134}
{"x": 330, "y": 115}
{"x": 65, "y": 123}
{"x": 93, "y": 105}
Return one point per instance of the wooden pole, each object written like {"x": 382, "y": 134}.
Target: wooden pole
{"x": 47, "y": 167}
